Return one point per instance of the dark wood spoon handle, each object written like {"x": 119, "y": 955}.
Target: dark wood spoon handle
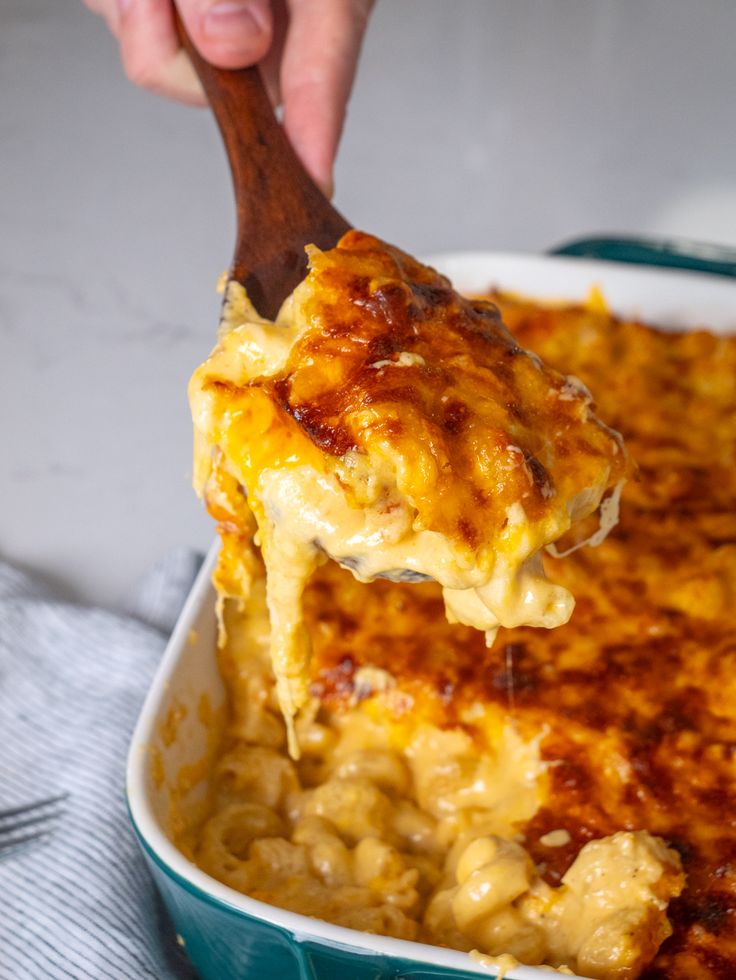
{"x": 280, "y": 208}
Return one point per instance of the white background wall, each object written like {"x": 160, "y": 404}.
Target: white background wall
{"x": 509, "y": 124}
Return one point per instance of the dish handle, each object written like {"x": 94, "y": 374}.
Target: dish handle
{"x": 672, "y": 253}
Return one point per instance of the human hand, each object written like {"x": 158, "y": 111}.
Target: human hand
{"x": 307, "y": 50}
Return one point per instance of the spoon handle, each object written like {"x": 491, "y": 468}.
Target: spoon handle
{"x": 279, "y": 207}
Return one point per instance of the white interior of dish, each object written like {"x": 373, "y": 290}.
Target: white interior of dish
{"x": 670, "y": 298}
{"x": 188, "y": 671}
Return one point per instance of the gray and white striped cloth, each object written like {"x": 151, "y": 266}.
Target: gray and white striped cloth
{"x": 72, "y": 680}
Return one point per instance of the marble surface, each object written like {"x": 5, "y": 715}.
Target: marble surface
{"x": 474, "y": 124}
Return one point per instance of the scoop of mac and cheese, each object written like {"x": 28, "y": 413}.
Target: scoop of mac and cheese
{"x": 390, "y": 424}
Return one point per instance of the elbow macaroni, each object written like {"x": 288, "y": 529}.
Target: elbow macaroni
{"x": 416, "y": 840}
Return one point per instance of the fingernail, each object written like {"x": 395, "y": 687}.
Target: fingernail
{"x": 231, "y": 16}
{"x": 124, "y": 6}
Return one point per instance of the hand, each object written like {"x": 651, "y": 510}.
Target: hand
{"x": 307, "y": 49}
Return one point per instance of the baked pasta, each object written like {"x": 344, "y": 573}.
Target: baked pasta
{"x": 388, "y": 423}
{"x": 566, "y": 796}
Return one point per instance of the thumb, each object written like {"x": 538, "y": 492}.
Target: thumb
{"x": 229, "y": 33}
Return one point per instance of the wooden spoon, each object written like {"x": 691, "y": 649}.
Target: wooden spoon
{"x": 280, "y": 208}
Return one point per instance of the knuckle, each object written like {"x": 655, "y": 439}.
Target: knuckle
{"x": 141, "y": 71}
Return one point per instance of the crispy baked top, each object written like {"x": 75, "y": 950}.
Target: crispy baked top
{"x": 396, "y": 364}
{"x": 637, "y": 693}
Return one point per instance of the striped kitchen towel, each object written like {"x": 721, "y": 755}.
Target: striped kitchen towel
{"x": 81, "y": 905}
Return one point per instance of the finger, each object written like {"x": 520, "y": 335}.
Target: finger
{"x": 320, "y": 58}
{"x": 152, "y": 57}
{"x": 270, "y": 66}
{"x": 229, "y": 33}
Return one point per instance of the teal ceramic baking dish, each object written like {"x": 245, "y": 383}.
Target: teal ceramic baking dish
{"x": 230, "y": 936}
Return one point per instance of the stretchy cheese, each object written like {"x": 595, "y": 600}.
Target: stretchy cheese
{"x": 387, "y": 423}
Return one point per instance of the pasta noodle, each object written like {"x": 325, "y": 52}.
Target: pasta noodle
{"x": 409, "y": 842}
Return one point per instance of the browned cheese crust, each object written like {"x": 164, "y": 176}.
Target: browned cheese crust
{"x": 456, "y": 418}
{"x": 638, "y": 690}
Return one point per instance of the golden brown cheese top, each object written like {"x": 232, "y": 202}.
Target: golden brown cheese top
{"x": 397, "y": 364}
{"x": 638, "y": 691}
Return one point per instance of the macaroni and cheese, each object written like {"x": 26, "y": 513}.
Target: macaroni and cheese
{"x": 564, "y": 797}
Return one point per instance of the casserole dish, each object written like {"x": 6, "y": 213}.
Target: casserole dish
{"x": 228, "y": 934}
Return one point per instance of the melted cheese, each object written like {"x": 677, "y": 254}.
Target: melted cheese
{"x": 617, "y": 728}
{"x": 392, "y": 824}
{"x": 607, "y": 917}
{"x": 386, "y": 423}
